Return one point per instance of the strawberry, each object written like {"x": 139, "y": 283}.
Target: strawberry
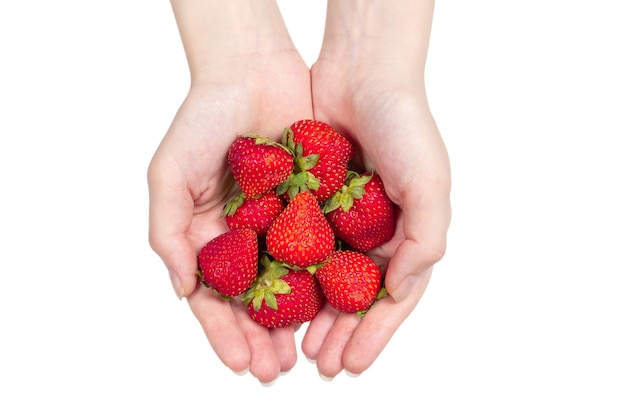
{"x": 281, "y": 297}
{"x": 256, "y": 214}
{"x": 228, "y": 263}
{"x": 361, "y": 213}
{"x": 350, "y": 280}
{"x": 258, "y": 164}
{"x": 300, "y": 235}
{"x": 321, "y": 156}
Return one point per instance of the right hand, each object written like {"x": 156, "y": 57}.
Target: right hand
{"x": 260, "y": 92}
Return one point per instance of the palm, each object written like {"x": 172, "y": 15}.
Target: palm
{"x": 395, "y": 135}
{"x": 190, "y": 183}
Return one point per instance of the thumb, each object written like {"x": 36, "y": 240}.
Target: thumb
{"x": 180, "y": 260}
{"x": 170, "y": 213}
{"x": 424, "y": 245}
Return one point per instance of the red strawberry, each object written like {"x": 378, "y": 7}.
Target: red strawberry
{"x": 321, "y": 156}
{"x": 301, "y": 235}
{"x": 228, "y": 263}
{"x": 361, "y": 213}
{"x": 281, "y": 297}
{"x": 350, "y": 281}
{"x": 258, "y": 164}
{"x": 256, "y": 214}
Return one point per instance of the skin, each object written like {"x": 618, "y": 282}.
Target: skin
{"x": 246, "y": 76}
{"x": 368, "y": 82}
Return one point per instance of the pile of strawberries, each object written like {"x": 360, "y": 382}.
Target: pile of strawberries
{"x": 300, "y": 228}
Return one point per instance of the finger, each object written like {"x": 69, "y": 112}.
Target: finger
{"x": 171, "y": 209}
{"x": 221, "y": 327}
{"x": 378, "y": 326}
{"x": 265, "y": 364}
{"x": 317, "y": 330}
{"x": 425, "y": 224}
{"x": 415, "y": 169}
{"x": 180, "y": 260}
{"x": 330, "y": 356}
{"x": 285, "y": 345}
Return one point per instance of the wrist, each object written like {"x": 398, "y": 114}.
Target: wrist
{"x": 385, "y": 33}
{"x": 217, "y": 33}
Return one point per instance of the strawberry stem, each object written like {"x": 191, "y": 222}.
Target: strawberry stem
{"x": 267, "y": 285}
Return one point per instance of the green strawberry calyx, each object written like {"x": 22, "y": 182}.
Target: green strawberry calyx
{"x": 267, "y": 285}
{"x": 300, "y": 179}
{"x": 353, "y": 188}
{"x": 231, "y": 206}
{"x": 205, "y": 284}
{"x": 262, "y": 140}
{"x": 311, "y": 269}
{"x": 382, "y": 293}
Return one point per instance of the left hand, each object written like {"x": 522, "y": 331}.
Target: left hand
{"x": 373, "y": 93}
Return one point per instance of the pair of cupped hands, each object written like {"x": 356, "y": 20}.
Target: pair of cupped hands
{"x": 381, "y": 106}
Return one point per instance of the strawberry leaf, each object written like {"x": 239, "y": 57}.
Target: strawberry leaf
{"x": 382, "y": 293}
{"x": 282, "y": 188}
{"x": 287, "y": 139}
{"x": 270, "y": 301}
{"x": 353, "y": 188}
{"x": 308, "y": 162}
{"x": 356, "y": 184}
{"x": 338, "y": 200}
{"x": 298, "y": 182}
{"x": 312, "y": 182}
{"x": 231, "y": 207}
{"x": 267, "y": 285}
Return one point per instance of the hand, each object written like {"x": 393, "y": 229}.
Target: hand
{"x": 251, "y": 81}
{"x": 369, "y": 85}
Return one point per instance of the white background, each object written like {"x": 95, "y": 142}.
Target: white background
{"x": 523, "y": 317}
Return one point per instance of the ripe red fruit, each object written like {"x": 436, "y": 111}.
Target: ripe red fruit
{"x": 256, "y": 214}
{"x": 258, "y": 164}
{"x": 350, "y": 281}
{"x": 281, "y": 297}
{"x": 361, "y": 214}
{"x": 300, "y": 235}
{"x": 321, "y": 156}
{"x": 228, "y": 263}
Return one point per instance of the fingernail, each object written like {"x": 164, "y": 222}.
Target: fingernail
{"x": 326, "y": 378}
{"x": 404, "y": 289}
{"x": 269, "y": 384}
{"x": 241, "y": 372}
{"x": 352, "y": 374}
{"x": 177, "y": 285}
{"x": 310, "y": 360}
